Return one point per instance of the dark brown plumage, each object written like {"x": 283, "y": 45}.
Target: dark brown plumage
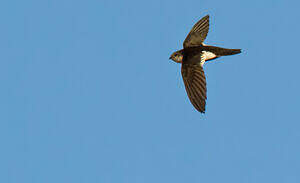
{"x": 193, "y": 56}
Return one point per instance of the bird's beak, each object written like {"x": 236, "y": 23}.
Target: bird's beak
{"x": 170, "y": 57}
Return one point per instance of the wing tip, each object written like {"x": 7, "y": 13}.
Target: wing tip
{"x": 201, "y": 110}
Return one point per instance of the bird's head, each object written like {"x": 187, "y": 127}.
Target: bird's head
{"x": 177, "y": 56}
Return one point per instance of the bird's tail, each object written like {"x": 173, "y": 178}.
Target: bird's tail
{"x": 222, "y": 51}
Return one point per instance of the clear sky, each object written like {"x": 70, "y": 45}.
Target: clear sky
{"x": 88, "y": 94}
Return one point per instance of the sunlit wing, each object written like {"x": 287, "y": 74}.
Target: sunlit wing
{"x": 198, "y": 33}
{"x": 195, "y": 84}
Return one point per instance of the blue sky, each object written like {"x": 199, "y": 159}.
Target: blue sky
{"x": 88, "y": 93}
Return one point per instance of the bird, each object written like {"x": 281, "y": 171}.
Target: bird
{"x": 192, "y": 58}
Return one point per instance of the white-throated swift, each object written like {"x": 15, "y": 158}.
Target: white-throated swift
{"x": 192, "y": 58}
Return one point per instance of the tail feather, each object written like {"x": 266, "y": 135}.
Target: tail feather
{"x": 222, "y": 51}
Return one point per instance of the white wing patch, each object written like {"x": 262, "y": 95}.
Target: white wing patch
{"x": 206, "y": 55}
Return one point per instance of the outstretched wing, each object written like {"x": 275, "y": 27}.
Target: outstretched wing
{"x": 195, "y": 84}
{"x": 198, "y": 33}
